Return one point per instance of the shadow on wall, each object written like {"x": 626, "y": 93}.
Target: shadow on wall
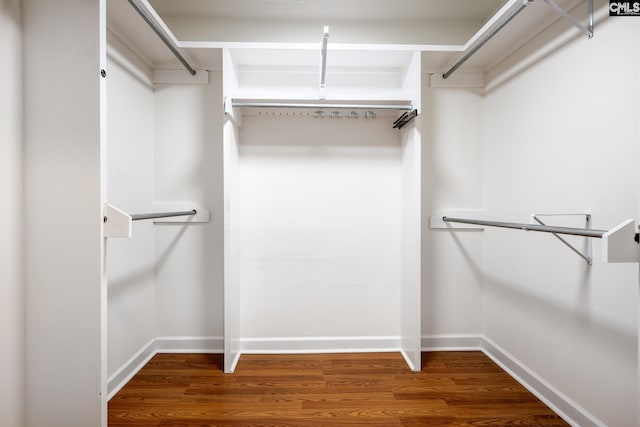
{"x": 162, "y": 258}
{"x": 577, "y": 322}
{"x": 452, "y": 282}
{"x": 471, "y": 263}
{"x": 553, "y": 314}
{"x": 11, "y": 10}
{"x": 118, "y": 287}
{"x": 143, "y": 275}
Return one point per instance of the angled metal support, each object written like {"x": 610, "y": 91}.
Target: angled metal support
{"x": 588, "y": 256}
{"x": 586, "y": 29}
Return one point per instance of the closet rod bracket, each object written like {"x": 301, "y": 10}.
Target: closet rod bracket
{"x": 588, "y": 255}
{"x": 117, "y": 223}
{"x": 586, "y": 29}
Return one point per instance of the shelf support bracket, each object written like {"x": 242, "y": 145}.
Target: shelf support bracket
{"x": 586, "y": 29}
{"x": 588, "y": 256}
{"x": 117, "y": 223}
{"x": 620, "y": 244}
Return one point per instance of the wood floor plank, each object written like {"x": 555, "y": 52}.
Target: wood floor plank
{"x": 368, "y": 389}
{"x": 275, "y": 422}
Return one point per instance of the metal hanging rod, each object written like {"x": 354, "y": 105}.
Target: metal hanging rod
{"x": 323, "y": 60}
{"x": 137, "y": 217}
{"x": 404, "y": 119}
{"x": 487, "y": 37}
{"x": 399, "y": 107}
{"x": 587, "y": 30}
{"x": 163, "y": 36}
{"x": 531, "y": 227}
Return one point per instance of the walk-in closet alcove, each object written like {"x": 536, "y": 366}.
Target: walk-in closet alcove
{"x": 322, "y": 202}
{"x": 190, "y": 185}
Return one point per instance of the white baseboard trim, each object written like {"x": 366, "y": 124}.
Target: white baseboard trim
{"x": 560, "y": 403}
{"x": 178, "y": 344}
{"x": 565, "y": 407}
{"x": 190, "y": 345}
{"x": 452, "y": 342}
{"x": 119, "y": 378}
{"x": 305, "y": 345}
{"x": 123, "y": 375}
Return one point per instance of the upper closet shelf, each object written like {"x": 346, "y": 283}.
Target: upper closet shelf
{"x": 282, "y": 74}
{"x": 448, "y": 38}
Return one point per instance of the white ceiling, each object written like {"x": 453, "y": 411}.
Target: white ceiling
{"x": 479, "y": 10}
{"x": 444, "y": 25}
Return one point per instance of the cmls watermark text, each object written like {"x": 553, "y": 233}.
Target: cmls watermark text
{"x": 624, "y": 8}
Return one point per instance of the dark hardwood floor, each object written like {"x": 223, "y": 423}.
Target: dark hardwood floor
{"x": 368, "y": 389}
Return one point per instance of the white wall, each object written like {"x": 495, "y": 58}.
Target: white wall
{"x": 562, "y": 136}
{"x": 452, "y": 179}
{"x": 65, "y": 300}
{"x": 188, "y": 167}
{"x": 320, "y": 220}
{"x": 130, "y": 262}
{"x": 11, "y": 259}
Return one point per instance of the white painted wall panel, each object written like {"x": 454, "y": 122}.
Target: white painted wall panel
{"x": 320, "y": 227}
{"x": 188, "y": 167}
{"x": 232, "y": 285}
{"x": 11, "y": 227}
{"x": 452, "y": 179}
{"x": 411, "y": 245}
{"x": 65, "y": 304}
{"x": 130, "y": 262}
{"x": 562, "y": 136}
